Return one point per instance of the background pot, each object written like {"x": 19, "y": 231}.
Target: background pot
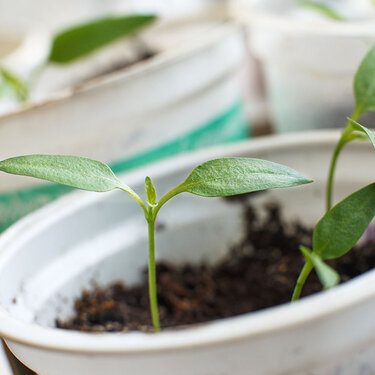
{"x": 49, "y": 256}
{"x": 185, "y": 98}
{"x": 22, "y": 52}
{"x": 308, "y": 62}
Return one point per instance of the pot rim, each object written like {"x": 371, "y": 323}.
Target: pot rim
{"x": 218, "y": 33}
{"x": 256, "y": 324}
{"x": 264, "y": 18}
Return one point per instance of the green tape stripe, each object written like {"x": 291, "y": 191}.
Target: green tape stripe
{"x": 231, "y": 126}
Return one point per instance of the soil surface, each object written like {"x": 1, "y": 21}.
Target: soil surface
{"x": 259, "y": 272}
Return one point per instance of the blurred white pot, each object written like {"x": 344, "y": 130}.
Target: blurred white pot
{"x": 182, "y": 99}
{"x": 4, "y": 363}
{"x": 308, "y": 61}
{"x": 49, "y": 256}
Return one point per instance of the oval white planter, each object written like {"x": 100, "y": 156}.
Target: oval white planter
{"x": 185, "y": 98}
{"x": 49, "y": 256}
{"x": 308, "y": 63}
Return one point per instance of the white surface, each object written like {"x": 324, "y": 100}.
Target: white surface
{"x": 43, "y": 265}
{"x": 55, "y": 14}
{"x": 4, "y": 363}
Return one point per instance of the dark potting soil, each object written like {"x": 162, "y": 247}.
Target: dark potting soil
{"x": 260, "y": 272}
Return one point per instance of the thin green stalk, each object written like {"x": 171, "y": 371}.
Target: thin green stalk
{"x": 177, "y": 190}
{"x": 152, "y": 273}
{"x": 342, "y": 142}
{"x": 306, "y": 270}
{"x": 136, "y": 197}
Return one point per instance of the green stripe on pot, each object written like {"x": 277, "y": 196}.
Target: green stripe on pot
{"x": 231, "y": 126}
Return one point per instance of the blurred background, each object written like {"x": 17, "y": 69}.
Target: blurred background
{"x": 130, "y": 82}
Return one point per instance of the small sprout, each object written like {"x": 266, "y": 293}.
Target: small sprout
{"x": 215, "y": 178}
{"x": 79, "y": 41}
{"x": 322, "y": 9}
{"x": 10, "y": 82}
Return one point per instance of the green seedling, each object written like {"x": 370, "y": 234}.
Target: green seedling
{"x": 364, "y": 93}
{"x": 322, "y": 9}
{"x": 11, "y": 83}
{"x": 77, "y": 42}
{"x": 215, "y": 178}
{"x": 335, "y": 234}
{"x": 343, "y": 225}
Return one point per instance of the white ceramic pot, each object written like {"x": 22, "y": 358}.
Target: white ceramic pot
{"x": 49, "y": 256}
{"x": 308, "y": 61}
{"x": 185, "y": 98}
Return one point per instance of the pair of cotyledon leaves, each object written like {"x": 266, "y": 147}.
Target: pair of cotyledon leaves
{"x": 215, "y": 178}
{"x": 335, "y": 234}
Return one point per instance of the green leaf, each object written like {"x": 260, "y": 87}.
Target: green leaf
{"x": 150, "y": 190}
{"x": 232, "y": 176}
{"x": 369, "y": 133}
{"x": 15, "y": 84}
{"x": 343, "y": 225}
{"x": 81, "y": 40}
{"x": 77, "y": 172}
{"x": 321, "y": 8}
{"x": 327, "y": 275}
{"x": 364, "y": 84}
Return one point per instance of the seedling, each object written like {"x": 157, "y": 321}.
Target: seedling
{"x": 335, "y": 234}
{"x": 215, "y": 178}
{"x": 9, "y": 82}
{"x": 322, "y": 9}
{"x": 343, "y": 225}
{"x": 364, "y": 93}
{"x": 77, "y": 42}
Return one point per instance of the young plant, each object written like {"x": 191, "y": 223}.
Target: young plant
{"x": 364, "y": 93}
{"x": 77, "y": 42}
{"x": 342, "y": 226}
{"x": 215, "y": 178}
